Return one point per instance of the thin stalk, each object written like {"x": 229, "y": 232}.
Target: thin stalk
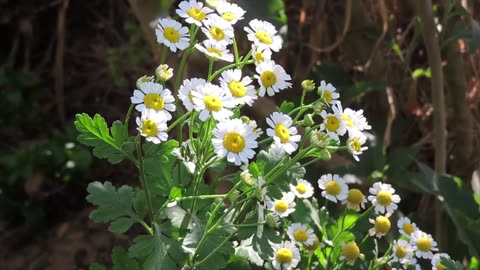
{"x": 143, "y": 180}
{"x": 210, "y": 70}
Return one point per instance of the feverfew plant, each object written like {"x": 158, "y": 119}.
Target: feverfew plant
{"x": 191, "y": 130}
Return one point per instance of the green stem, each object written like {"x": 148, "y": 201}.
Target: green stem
{"x": 203, "y": 197}
{"x": 301, "y": 106}
{"x": 164, "y": 54}
{"x": 235, "y": 51}
{"x": 243, "y": 63}
{"x": 129, "y": 113}
{"x": 178, "y": 121}
{"x": 144, "y": 180}
{"x": 210, "y": 70}
{"x": 213, "y": 251}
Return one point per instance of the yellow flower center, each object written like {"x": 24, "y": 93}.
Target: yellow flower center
{"x": 355, "y": 144}
{"x": 154, "y": 101}
{"x": 300, "y": 235}
{"x": 212, "y": 103}
{"x": 301, "y": 188}
{"x": 149, "y": 128}
{"x": 333, "y": 188}
{"x": 214, "y": 51}
{"x": 313, "y": 246}
{"x": 264, "y": 37}
{"x": 440, "y": 266}
{"x": 234, "y": 142}
{"x": 171, "y": 34}
{"x": 259, "y": 57}
{"x": 424, "y": 244}
{"x": 347, "y": 119}
{"x": 268, "y": 78}
{"x": 408, "y": 228}
{"x": 355, "y": 196}
{"x": 281, "y": 131}
{"x": 217, "y": 33}
{"x": 281, "y": 206}
{"x": 384, "y": 198}
{"x": 382, "y": 225}
{"x": 332, "y": 123}
{"x": 284, "y": 255}
{"x": 400, "y": 252}
{"x": 351, "y": 251}
{"x": 197, "y": 14}
{"x": 229, "y": 16}
{"x": 327, "y": 96}
{"x": 237, "y": 89}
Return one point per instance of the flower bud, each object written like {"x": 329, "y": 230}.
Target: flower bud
{"x": 247, "y": 178}
{"x": 318, "y": 107}
{"x": 144, "y": 79}
{"x": 308, "y": 120}
{"x": 308, "y": 85}
{"x": 163, "y": 73}
{"x": 272, "y": 221}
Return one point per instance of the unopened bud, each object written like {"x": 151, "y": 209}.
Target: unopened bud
{"x": 272, "y": 221}
{"x": 308, "y": 120}
{"x": 308, "y": 85}
{"x": 144, "y": 79}
{"x": 247, "y": 178}
{"x": 163, "y": 73}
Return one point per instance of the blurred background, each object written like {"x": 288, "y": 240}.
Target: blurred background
{"x": 63, "y": 57}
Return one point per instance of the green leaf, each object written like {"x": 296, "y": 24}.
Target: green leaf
{"x": 286, "y": 107}
{"x": 112, "y": 205}
{"x": 359, "y": 89}
{"x": 420, "y": 72}
{"x": 175, "y": 193}
{"x": 97, "y": 266}
{"x": 95, "y": 133}
{"x": 121, "y": 261}
{"x": 153, "y": 251}
{"x": 450, "y": 264}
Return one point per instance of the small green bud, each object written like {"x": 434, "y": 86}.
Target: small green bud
{"x": 308, "y": 120}
{"x": 144, "y": 79}
{"x": 318, "y": 107}
{"x": 308, "y": 85}
{"x": 163, "y": 73}
{"x": 272, "y": 221}
{"x": 247, "y": 178}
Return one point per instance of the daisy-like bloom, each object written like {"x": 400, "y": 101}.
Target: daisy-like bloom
{"x": 327, "y": 93}
{"x": 333, "y": 123}
{"x": 283, "y": 207}
{"x": 301, "y": 234}
{"x": 272, "y": 78}
{"x": 212, "y": 99}
{"x": 282, "y": 131}
{"x": 355, "y": 200}
{"x": 350, "y": 252}
{"x": 260, "y": 56}
{"x": 402, "y": 251}
{"x": 424, "y": 244}
{"x": 384, "y": 198}
{"x": 215, "y": 3}
{"x": 193, "y": 12}
{"x": 381, "y": 226}
{"x": 164, "y": 72}
{"x": 313, "y": 246}
{"x": 231, "y": 13}
{"x": 172, "y": 34}
{"x": 264, "y": 35}
{"x": 303, "y": 189}
{"x": 154, "y": 96}
{"x": 218, "y": 29}
{"x": 319, "y": 138}
{"x": 186, "y": 89}
{"x": 152, "y": 126}
{"x": 355, "y": 144}
{"x": 437, "y": 261}
{"x": 334, "y": 187}
{"x": 355, "y": 120}
{"x": 252, "y": 123}
{"x": 240, "y": 88}
{"x": 286, "y": 256}
{"x": 235, "y": 140}
{"x": 406, "y": 226}
{"x": 215, "y": 50}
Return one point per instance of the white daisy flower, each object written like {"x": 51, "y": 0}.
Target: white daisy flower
{"x": 406, "y": 226}
{"x": 215, "y": 50}
{"x": 172, "y": 34}
{"x": 355, "y": 144}
{"x": 355, "y": 200}
{"x": 334, "y": 187}
{"x": 231, "y": 13}
{"x": 282, "y": 131}
{"x": 333, "y": 123}
{"x": 212, "y": 99}
{"x": 272, "y": 78}
{"x": 264, "y": 35}
{"x": 235, "y": 140}
{"x": 218, "y": 30}
{"x": 215, "y": 3}
{"x": 303, "y": 189}
{"x": 327, "y": 92}
{"x": 241, "y": 89}
{"x": 437, "y": 261}
{"x": 186, "y": 89}
{"x": 402, "y": 251}
{"x": 260, "y": 56}
{"x": 381, "y": 226}
{"x": 424, "y": 244}
{"x": 355, "y": 120}
{"x": 350, "y": 252}
{"x": 285, "y": 256}
{"x": 282, "y": 207}
{"x": 152, "y": 126}
{"x": 194, "y": 12}
{"x": 301, "y": 234}
{"x": 154, "y": 96}
{"x": 383, "y": 198}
